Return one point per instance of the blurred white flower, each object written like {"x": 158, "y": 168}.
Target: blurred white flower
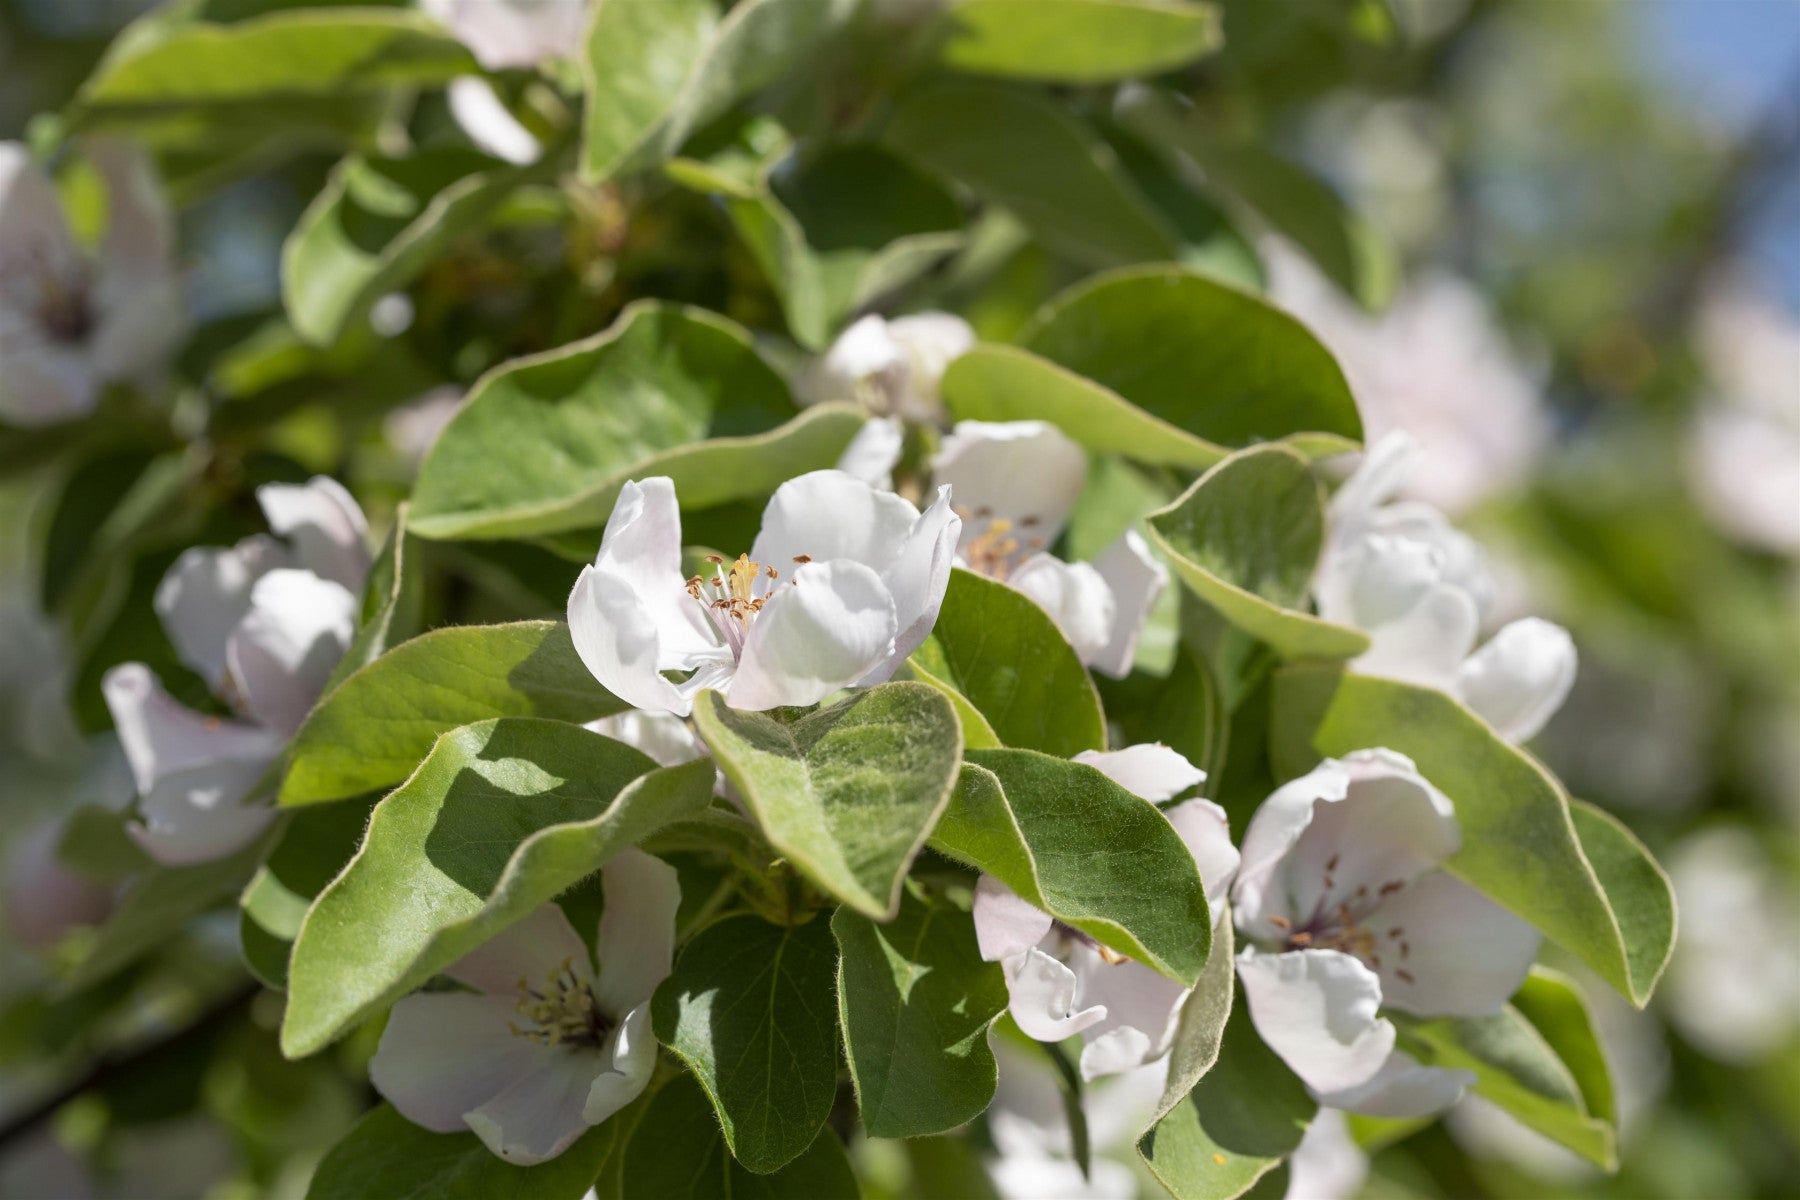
{"x": 1034, "y": 1154}
{"x": 513, "y": 33}
{"x": 73, "y": 320}
{"x": 893, "y": 368}
{"x": 413, "y": 428}
{"x": 45, "y": 899}
{"x": 478, "y": 109}
{"x": 1328, "y": 1164}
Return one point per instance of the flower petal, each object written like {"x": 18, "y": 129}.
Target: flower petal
{"x": 478, "y": 110}
{"x": 204, "y": 595}
{"x": 1142, "y": 1010}
{"x": 1277, "y": 824}
{"x": 140, "y": 225}
{"x": 1074, "y": 595}
{"x": 283, "y": 652}
{"x": 1016, "y": 470}
{"x": 324, "y": 525}
{"x": 874, "y": 452}
{"x": 32, "y": 229}
{"x": 1148, "y": 769}
{"x": 1377, "y": 478}
{"x": 1207, "y": 834}
{"x": 827, "y": 515}
{"x": 664, "y": 737}
{"x": 45, "y": 382}
{"x": 916, "y": 579}
{"x": 636, "y": 945}
{"x": 1041, "y": 997}
{"x": 513, "y": 33}
{"x": 1427, "y": 645}
{"x": 865, "y": 364}
{"x": 1402, "y": 1090}
{"x": 1463, "y": 956}
{"x": 540, "y": 1116}
{"x": 1317, "y": 1010}
{"x": 445, "y": 1053}
{"x": 1005, "y": 923}
{"x": 1520, "y": 678}
{"x": 161, "y": 736}
{"x": 1375, "y": 581}
{"x": 528, "y": 952}
{"x": 631, "y": 1051}
{"x": 826, "y": 627}
{"x": 1136, "y": 579}
{"x": 931, "y": 342}
{"x": 1327, "y": 1164}
{"x": 197, "y": 814}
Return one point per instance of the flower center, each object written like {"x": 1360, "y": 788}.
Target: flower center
{"x": 1342, "y": 924}
{"x": 999, "y": 544}
{"x": 734, "y": 593}
{"x": 55, "y": 294}
{"x": 563, "y": 1012}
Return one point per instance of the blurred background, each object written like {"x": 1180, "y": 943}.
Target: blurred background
{"x": 1595, "y": 330}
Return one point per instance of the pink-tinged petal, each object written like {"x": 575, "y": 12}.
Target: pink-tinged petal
{"x": 160, "y": 735}
{"x": 513, "y": 33}
{"x": 1317, "y": 1009}
{"x": 540, "y": 1116}
{"x": 1142, "y": 1009}
{"x": 1328, "y": 1164}
{"x": 1074, "y": 595}
{"x": 824, "y": 628}
{"x": 489, "y": 125}
{"x": 631, "y": 1055}
{"x": 33, "y": 233}
{"x": 931, "y": 341}
{"x": 664, "y": 737}
{"x": 197, "y": 814}
{"x": 916, "y": 579}
{"x": 206, "y": 593}
{"x": 1148, "y": 769}
{"x": 445, "y": 1053}
{"x": 865, "y": 365}
{"x": 874, "y": 452}
{"x": 1016, "y": 470}
{"x": 44, "y": 899}
{"x": 636, "y": 945}
{"x": 1041, "y": 997}
{"x": 827, "y": 515}
{"x": 1402, "y": 1090}
{"x": 1206, "y": 832}
{"x": 1136, "y": 580}
{"x": 1520, "y": 678}
{"x": 1277, "y": 824}
{"x": 528, "y": 951}
{"x": 324, "y": 525}
{"x": 1005, "y": 924}
{"x": 1427, "y": 645}
{"x": 287, "y": 646}
{"x": 1462, "y": 955}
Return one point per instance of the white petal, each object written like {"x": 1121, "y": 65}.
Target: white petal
{"x": 322, "y": 522}
{"x": 486, "y": 120}
{"x": 540, "y": 1116}
{"x": 44, "y": 900}
{"x": 1074, "y": 595}
{"x": 636, "y": 945}
{"x": 874, "y": 452}
{"x": 1148, "y": 769}
{"x": 513, "y": 33}
{"x": 1041, "y": 997}
{"x": 1136, "y": 580}
{"x": 825, "y": 515}
{"x": 667, "y": 739}
{"x": 1382, "y": 473}
{"x": 1376, "y": 580}
{"x": 161, "y": 736}
{"x": 616, "y": 635}
{"x": 631, "y": 1053}
{"x": 1465, "y": 955}
{"x": 444, "y": 1053}
{"x": 1402, "y": 1089}
{"x": 826, "y": 627}
{"x": 1327, "y": 1164}
{"x": 32, "y": 229}
{"x": 1040, "y": 1177}
{"x": 931, "y": 341}
{"x": 1317, "y": 1010}
{"x": 1017, "y": 470}
{"x": 1142, "y": 1009}
{"x": 286, "y": 647}
{"x": 41, "y": 383}
{"x": 1277, "y": 824}
{"x": 1427, "y": 645}
{"x": 1207, "y": 834}
{"x": 528, "y": 951}
{"x": 204, "y": 595}
{"x": 1460, "y": 562}
{"x": 138, "y": 321}
{"x": 865, "y": 364}
{"x": 140, "y": 225}
{"x": 197, "y": 814}
{"x": 1520, "y": 678}
{"x": 916, "y": 579}
{"x": 1005, "y": 924}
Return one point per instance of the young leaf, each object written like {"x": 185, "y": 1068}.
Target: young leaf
{"x": 1086, "y": 851}
{"x": 372, "y": 730}
{"x": 387, "y": 1155}
{"x": 501, "y": 817}
{"x": 748, "y": 1009}
{"x": 847, "y": 793}
{"x": 1003, "y": 654}
{"x": 1246, "y": 538}
{"x": 1217, "y": 362}
{"x": 677, "y": 1153}
{"x": 1074, "y": 41}
{"x": 915, "y": 1001}
{"x": 1579, "y": 878}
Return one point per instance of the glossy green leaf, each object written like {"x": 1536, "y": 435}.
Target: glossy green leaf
{"x": 1004, "y": 655}
{"x": 372, "y": 730}
{"x": 915, "y": 1000}
{"x": 1246, "y": 537}
{"x": 1235, "y": 1126}
{"x": 677, "y": 1153}
{"x": 848, "y": 793}
{"x": 387, "y": 1155}
{"x": 1036, "y": 823}
{"x": 1025, "y": 152}
{"x": 501, "y": 817}
{"x": 1074, "y": 41}
{"x": 1580, "y": 879}
{"x": 749, "y": 1010}
{"x": 1205, "y": 357}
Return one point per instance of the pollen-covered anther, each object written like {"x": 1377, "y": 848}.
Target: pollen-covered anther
{"x": 563, "y": 1013}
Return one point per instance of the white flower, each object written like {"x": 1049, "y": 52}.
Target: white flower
{"x": 1327, "y": 1164}
{"x": 1034, "y": 1155}
{"x": 478, "y": 109}
{"x": 1346, "y": 912}
{"x": 513, "y": 33}
{"x": 663, "y": 737}
{"x": 893, "y": 368}
{"x": 71, "y": 320}
{"x": 842, "y": 583}
{"x": 45, "y": 900}
{"x": 1059, "y": 981}
{"x": 544, "y": 1047}
{"x": 1015, "y": 483}
{"x": 1418, "y": 588}
{"x": 413, "y": 428}
{"x": 264, "y": 623}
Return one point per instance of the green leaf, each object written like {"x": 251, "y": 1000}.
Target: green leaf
{"x": 1036, "y": 823}
{"x": 393, "y": 601}
{"x": 657, "y": 70}
{"x": 376, "y": 225}
{"x": 1240, "y": 1121}
{"x": 1217, "y": 362}
{"x": 372, "y": 730}
{"x": 1521, "y": 844}
{"x": 748, "y": 1009}
{"x": 310, "y": 851}
{"x": 385, "y": 1155}
{"x": 1026, "y": 153}
{"x": 1183, "y": 710}
{"x": 1074, "y": 41}
{"x": 915, "y": 1000}
{"x": 677, "y": 1153}
{"x": 1006, "y": 658}
{"x": 1201, "y": 1033}
{"x": 1246, "y": 537}
{"x": 1555, "y": 1007}
{"x": 501, "y": 817}
{"x": 544, "y": 443}
{"x": 848, "y": 793}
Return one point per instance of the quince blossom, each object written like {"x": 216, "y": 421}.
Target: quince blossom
{"x": 264, "y": 622}
{"x": 543, "y": 1047}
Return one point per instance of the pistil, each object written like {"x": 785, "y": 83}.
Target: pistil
{"x": 562, "y": 1013}
{"x": 734, "y": 593}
